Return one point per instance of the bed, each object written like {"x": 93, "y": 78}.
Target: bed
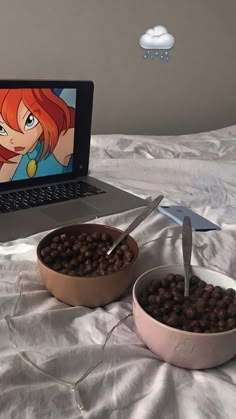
{"x": 57, "y": 345}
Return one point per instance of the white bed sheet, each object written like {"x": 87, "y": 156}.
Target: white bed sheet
{"x": 198, "y": 171}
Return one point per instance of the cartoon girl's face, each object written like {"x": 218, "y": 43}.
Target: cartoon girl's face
{"x": 21, "y": 142}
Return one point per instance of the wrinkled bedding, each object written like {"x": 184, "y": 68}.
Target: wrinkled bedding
{"x": 129, "y": 382}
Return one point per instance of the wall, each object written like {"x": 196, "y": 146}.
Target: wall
{"x": 98, "y": 40}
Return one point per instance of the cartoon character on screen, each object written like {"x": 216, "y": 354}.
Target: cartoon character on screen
{"x": 36, "y": 134}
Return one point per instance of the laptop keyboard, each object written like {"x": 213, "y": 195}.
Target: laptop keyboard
{"x": 44, "y": 195}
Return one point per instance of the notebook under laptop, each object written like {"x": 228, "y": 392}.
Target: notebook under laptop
{"x": 44, "y": 157}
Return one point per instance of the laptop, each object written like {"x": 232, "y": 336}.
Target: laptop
{"x": 45, "y": 129}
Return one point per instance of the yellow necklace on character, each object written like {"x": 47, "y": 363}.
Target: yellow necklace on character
{"x": 31, "y": 168}
{"x": 34, "y": 157}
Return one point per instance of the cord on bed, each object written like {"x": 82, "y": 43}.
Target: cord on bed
{"x": 72, "y": 386}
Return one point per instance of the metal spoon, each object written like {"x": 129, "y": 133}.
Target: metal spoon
{"x": 187, "y": 251}
{"x": 138, "y": 220}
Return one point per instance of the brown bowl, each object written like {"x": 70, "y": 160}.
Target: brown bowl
{"x": 90, "y": 291}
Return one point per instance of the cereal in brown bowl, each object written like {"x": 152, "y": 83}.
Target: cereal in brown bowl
{"x": 85, "y": 254}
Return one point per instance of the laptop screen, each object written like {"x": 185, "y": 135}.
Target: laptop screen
{"x": 37, "y": 131}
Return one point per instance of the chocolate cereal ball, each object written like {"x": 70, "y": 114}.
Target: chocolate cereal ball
{"x": 85, "y": 254}
{"x": 208, "y": 309}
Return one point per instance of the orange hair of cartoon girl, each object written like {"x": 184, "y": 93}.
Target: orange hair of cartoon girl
{"x": 50, "y": 110}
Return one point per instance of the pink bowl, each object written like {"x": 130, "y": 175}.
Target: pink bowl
{"x": 177, "y": 347}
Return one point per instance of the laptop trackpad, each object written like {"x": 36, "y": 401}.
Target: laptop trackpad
{"x": 69, "y": 211}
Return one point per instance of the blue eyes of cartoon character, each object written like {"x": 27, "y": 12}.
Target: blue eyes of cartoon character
{"x": 2, "y": 131}
{"x": 31, "y": 122}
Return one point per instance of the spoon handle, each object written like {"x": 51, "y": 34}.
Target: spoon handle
{"x": 187, "y": 251}
{"x": 138, "y": 220}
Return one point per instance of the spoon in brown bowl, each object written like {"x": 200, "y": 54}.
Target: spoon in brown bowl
{"x": 187, "y": 251}
{"x": 138, "y": 220}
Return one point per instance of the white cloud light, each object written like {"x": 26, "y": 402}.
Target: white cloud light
{"x": 157, "y": 38}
